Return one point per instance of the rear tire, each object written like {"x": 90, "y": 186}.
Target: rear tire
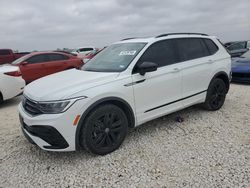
{"x": 104, "y": 129}
{"x": 1, "y": 98}
{"x": 216, "y": 95}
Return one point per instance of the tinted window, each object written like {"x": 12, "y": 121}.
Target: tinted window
{"x": 57, "y": 57}
{"x": 212, "y": 47}
{"x": 37, "y": 59}
{"x": 191, "y": 48}
{"x": 163, "y": 53}
{"x": 4, "y": 52}
{"x": 237, "y": 46}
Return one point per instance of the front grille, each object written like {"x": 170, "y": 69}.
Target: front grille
{"x": 31, "y": 107}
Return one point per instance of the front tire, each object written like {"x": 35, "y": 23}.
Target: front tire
{"x": 216, "y": 95}
{"x": 104, "y": 129}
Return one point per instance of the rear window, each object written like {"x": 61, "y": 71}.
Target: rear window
{"x": 212, "y": 47}
{"x": 237, "y": 46}
{"x": 4, "y": 52}
{"x": 191, "y": 48}
{"x": 85, "y": 49}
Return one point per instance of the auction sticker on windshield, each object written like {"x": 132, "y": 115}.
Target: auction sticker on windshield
{"x": 128, "y": 52}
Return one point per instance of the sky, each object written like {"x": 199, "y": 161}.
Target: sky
{"x": 27, "y": 25}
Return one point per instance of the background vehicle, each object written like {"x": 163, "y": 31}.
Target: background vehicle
{"x": 127, "y": 84}
{"x": 40, "y": 64}
{"x": 241, "y": 68}
{"x": 90, "y": 55}
{"x": 66, "y": 52}
{"x": 7, "y": 56}
{"x": 84, "y": 50}
{"x": 238, "y": 48}
{"x": 11, "y": 82}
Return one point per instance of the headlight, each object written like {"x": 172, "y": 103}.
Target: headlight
{"x": 55, "y": 107}
{"x": 48, "y": 107}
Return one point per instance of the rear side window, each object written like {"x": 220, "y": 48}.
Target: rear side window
{"x": 4, "y": 52}
{"x": 37, "y": 59}
{"x": 57, "y": 57}
{"x": 163, "y": 53}
{"x": 191, "y": 48}
{"x": 212, "y": 47}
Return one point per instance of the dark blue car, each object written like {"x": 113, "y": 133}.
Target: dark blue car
{"x": 241, "y": 68}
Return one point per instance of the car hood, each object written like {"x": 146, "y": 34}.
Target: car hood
{"x": 8, "y": 68}
{"x": 66, "y": 84}
{"x": 241, "y": 65}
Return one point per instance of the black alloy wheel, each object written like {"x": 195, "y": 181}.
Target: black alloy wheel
{"x": 216, "y": 95}
{"x": 104, "y": 129}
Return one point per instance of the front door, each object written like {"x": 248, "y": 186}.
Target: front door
{"x": 157, "y": 93}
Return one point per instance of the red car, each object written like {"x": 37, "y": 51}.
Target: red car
{"x": 40, "y": 64}
{"x": 7, "y": 56}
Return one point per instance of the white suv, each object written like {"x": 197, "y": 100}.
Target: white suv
{"x": 127, "y": 84}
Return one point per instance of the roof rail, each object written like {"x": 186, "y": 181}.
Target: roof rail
{"x": 128, "y": 38}
{"x": 164, "y": 35}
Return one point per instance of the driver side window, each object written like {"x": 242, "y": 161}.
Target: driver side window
{"x": 162, "y": 53}
{"x": 37, "y": 59}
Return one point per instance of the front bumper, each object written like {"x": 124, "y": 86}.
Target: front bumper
{"x": 241, "y": 77}
{"x": 52, "y": 132}
{"x": 47, "y": 133}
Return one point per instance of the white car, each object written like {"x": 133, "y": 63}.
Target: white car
{"x": 11, "y": 82}
{"x": 129, "y": 83}
{"x": 83, "y": 50}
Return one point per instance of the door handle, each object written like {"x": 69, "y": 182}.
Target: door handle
{"x": 175, "y": 70}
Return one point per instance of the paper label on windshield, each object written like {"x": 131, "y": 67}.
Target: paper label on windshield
{"x": 127, "y": 52}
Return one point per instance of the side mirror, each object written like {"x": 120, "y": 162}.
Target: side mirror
{"x": 147, "y": 67}
{"x": 24, "y": 63}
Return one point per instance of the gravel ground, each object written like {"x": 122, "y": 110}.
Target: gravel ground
{"x": 209, "y": 149}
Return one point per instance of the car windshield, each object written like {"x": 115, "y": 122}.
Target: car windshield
{"x": 246, "y": 54}
{"x": 115, "y": 58}
{"x": 20, "y": 60}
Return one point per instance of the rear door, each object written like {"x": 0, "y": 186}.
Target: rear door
{"x": 196, "y": 68}
{"x": 158, "y": 93}
{"x": 57, "y": 63}
{"x": 34, "y": 67}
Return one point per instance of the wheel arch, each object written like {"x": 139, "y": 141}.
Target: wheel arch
{"x": 109, "y": 100}
{"x": 223, "y": 76}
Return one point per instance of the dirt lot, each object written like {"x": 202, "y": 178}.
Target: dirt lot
{"x": 208, "y": 149}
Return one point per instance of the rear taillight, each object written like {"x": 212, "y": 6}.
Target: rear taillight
{"x": 14, "y": 73}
